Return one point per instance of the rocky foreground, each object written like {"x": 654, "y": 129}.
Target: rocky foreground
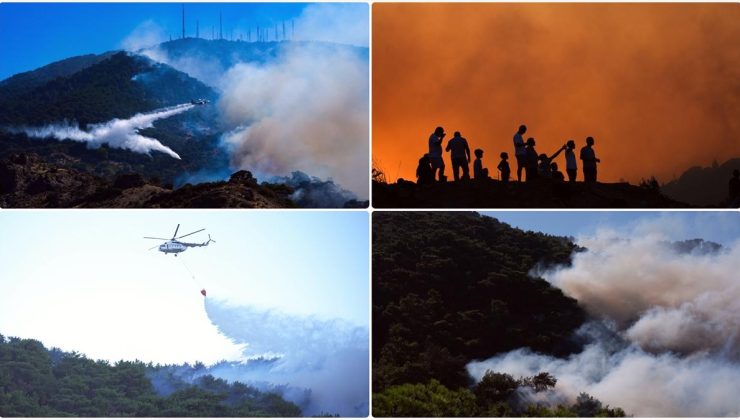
{"x": 540, "y": 194}
{"x": 28, "y": 181}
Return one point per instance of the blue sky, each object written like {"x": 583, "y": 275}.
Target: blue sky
{"x": 722, "y": 227}
{"x": 85, "y": 281}
{"x": 35, "y": 34}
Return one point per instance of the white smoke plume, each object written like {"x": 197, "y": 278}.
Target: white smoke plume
{"x": 328, "y": 357}
{"x": 117, "y": 133}
{"x": 677, "y": 315}
{"x": 305, "y": 111}
{"x": 147, "y": 34}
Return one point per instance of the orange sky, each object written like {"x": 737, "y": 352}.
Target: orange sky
{"x": 657, "y": 85}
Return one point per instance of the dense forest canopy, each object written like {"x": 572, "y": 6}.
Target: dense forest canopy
{"x": 452, "y": 287}
{"x": 36, "y": 382}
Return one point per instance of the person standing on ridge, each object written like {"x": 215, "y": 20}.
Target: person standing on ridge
{"x": 435, "y": 152}
{"x": 531, "y": 160}
{"x": 588, "y": 156}
{"x": 460, "y": 154}
{"x": 503, "y": 167}
{"x": 571, "y": 166}
{"x": 520, "y": 151}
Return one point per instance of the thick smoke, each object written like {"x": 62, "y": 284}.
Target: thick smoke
{"x": 305, "y": 111}
{"x": 655, "y": 84}
{"x": 674, "y": 318}
{"x": 327, "y": 357}
{"x": 117, "y": 133}
{"x": 314, "y": 193}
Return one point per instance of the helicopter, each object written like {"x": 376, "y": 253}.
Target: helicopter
{"x": 174, "y": 246}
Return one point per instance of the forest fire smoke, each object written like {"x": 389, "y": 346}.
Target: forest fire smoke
{"x": 673, "y": 315}
{"x": 656, "y": 85}
{"x": 329, "y": 357}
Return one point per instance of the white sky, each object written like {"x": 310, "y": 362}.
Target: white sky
{"x": 84, "y": 280}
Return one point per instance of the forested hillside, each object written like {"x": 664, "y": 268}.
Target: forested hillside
{"x": 36, "y": 382}
{"x": 449, "y": 288}
{"x": 117, "y": 87}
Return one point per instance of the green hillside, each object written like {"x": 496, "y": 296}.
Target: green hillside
{"x": 36, "y": 382}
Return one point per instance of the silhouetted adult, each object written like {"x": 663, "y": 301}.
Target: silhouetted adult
{"x": 479, "y": 172}
{"x": 735, "y": 189}
{"x": 588, "y": 156}
{"x": 520, "y": 151}
{"x": 460, "y": 153}
{"x": 435, "y": 152}
{"x": 424, "y": 174}
{"x": 571, "y": 167}
{"x": 543, "y": 169}
{"x": 530, "y": 163}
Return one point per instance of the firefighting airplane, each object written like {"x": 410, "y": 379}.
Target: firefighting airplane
{"x": 174, "y": 246}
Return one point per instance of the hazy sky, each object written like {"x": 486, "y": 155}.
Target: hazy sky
{"x": 656, "y": 85}
{"x": 33, "y": 35}
{"x": 719, "y": 226}
{"x": 84, "y": 280}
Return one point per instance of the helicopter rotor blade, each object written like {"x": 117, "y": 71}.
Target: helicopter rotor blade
{"x": 156, "y": 246}
{"x": 176, "y": 229}
{"x": 179, "y": 237}
{"x": 161, "y": 239}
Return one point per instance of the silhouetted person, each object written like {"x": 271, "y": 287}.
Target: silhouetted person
{"x": 556, "y": 174}
{"x": 531, "y": 160}
{"x": 460, "y": 153}
{"x": 503, "y": 167}
{"x": 479, "y": 172}
{"x": 735, "y": 189}
{"x": 435, "y": 152}
{"x": 571, "y": 167}
{"x": 543, "y": 169}
{"x": 588, "y": 156}
{"x": 424, "y": 174}
{"x": 520, "y": 151}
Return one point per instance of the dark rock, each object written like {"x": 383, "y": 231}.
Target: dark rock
{"x": 242, "y": 177}
{"x": 125, "y": 181}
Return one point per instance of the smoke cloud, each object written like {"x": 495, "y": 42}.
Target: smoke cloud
{"x": 665, "y": 341}
{"x": 117, "y": 133}
{"x": 305, "y": 111}
{"x": 327, "y": 357}
{"x": 656, "y": 85}
{"x": 305, "y": 108}
{"x": 147, "y": 34}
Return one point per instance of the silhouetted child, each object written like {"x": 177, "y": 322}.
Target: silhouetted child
{"x": 571, "y": 167}
{"x": 530, "y": 166}
{"x": 424, "y": 174}
{"x": 503, "y": 167}
{"x": 479, "y": 172}
{"x": 556, "y": 175}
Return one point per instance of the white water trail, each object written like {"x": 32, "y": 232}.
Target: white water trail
{"x": 117, "y": 133}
